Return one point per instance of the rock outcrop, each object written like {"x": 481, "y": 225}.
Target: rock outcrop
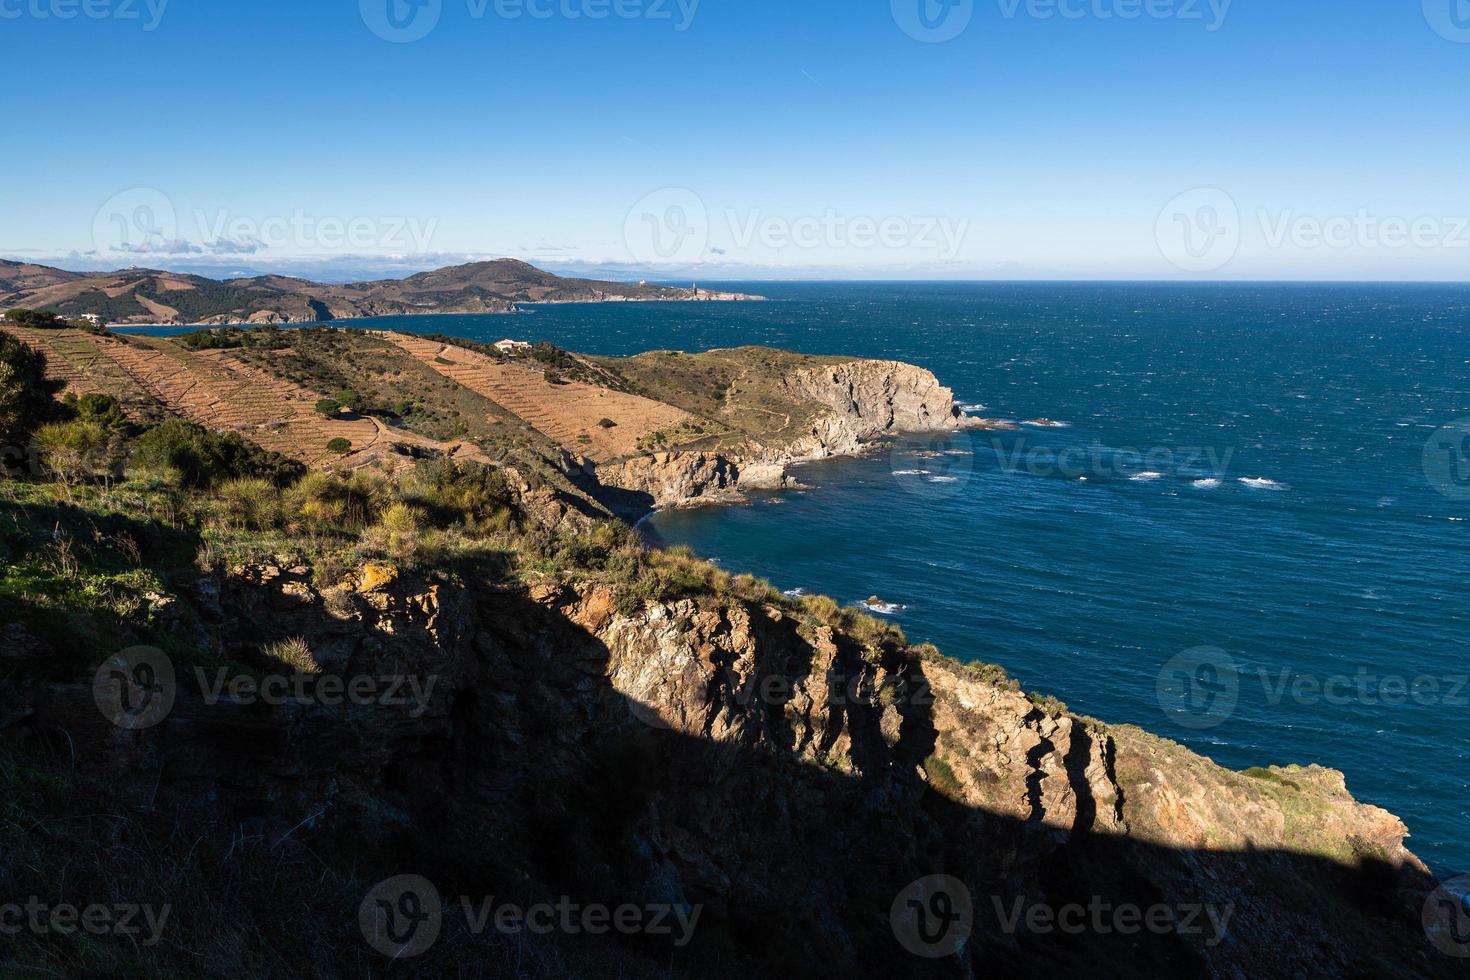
{"x": 861, "y": 401}
{"x": 786, "y": 779}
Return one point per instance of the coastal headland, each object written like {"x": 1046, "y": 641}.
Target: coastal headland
{"x": 593, "y": 719}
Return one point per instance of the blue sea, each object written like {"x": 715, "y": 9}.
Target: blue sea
{"x": 1230, "y": 538}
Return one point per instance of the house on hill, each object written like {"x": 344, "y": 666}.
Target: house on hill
{"x": 511, "y": 346}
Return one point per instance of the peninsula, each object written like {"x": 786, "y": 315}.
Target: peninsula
{"x": 150, "y": 296}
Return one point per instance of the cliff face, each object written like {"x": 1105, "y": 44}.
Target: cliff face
{"x": 789, "y": 781}
{"x": 860, "y": 403}
{"x": 869, "y": 399}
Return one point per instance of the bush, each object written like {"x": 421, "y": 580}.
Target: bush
{"x": 468, "y": 494}
{"x": 328, "y": 407}
{"x": 607, "y": 423}
{"x": 339, "y": 446}
{"x": 77, "y": 450}
{"x": 294, "y": 653}
{"x": 249, "y": 504}
{"x": 941, "y": 776}
{"x": 345, "y": 504}
{"x": 36, "y": 319}
{"x": 348, "y": 399}
{"x": 105, "y": 410}
{"x": 398, "y": 530}
{"x": 193, "y": 456}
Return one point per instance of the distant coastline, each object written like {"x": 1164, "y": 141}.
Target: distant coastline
{"x": 151, "y": 297}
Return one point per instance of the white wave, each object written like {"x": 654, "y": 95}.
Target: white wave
{"x": 910, "y": 472}
{"x": 973, "y": 407}
{"x": 944, "y": 479}
{"x": 1262, "y": 483}
{"x": 882, "y": 608}
{"x": 1047, "y": 424}
{"x": 795, "y": 593}
{"x": 1146, "y": 476}
{"x": 1206, "y": 484}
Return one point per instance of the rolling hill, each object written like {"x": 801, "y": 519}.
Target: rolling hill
{"x": 137, "y": 296}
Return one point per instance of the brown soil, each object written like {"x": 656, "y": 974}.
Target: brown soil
{"x": 218, "y": 391}
{"x": 569, "y": 414}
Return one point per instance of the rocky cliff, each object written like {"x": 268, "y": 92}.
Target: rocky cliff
{"x": 860, "y": 402}
{"x": 791, "y": 784}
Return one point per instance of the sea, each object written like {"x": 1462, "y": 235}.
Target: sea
{"x": 1239, "y": 515}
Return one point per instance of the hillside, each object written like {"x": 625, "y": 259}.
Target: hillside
{"x": 551, "y": 711}
{"x": 654, "y": 430}
{"x": 137, "y": 296}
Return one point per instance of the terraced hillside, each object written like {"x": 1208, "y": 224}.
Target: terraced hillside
{"x": 620, "y": 435}
{"x": 156, "y": 376}
{"x": 594, "y": 421}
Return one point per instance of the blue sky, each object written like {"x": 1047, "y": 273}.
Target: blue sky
{"x": 1253, "y": 139}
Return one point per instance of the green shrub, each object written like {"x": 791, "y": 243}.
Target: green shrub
{"x": 399, "y": 531}
{"x": 821, "y": 608}
{"x": 36, "y": 319}
{"x": 337, "y": 504}
{"x": 192, "y": 456}
{"x": 607, "y": 423}
{"x": 941, "y": 776}
{"x": 1271, "y": 776}
{"x": 339, "y": 446}
{"x": 1048, "y": 704}
{"x": 249, "y": 504}
{"x": 77, "y": 450}
{"x": 105, "y": 410}
{"x": 328, "y": 407}
{"x": 294, "y": 654}
{"x": 468, "y": 494}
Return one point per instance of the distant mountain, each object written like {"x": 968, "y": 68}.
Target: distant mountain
{"x": 135, "y": 296}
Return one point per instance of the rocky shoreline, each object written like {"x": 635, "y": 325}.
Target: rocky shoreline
{"x": 865, "y": 403}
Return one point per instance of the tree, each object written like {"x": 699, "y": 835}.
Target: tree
{"x": 105, "y": 410}
{"x": 27, "y": 398}
{"x": 328, "y": 407}
{"x": 339, "y": 446}
{"x": 348, "y": 399}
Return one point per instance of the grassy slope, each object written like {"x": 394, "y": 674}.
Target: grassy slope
{"x": 738, "y": 390}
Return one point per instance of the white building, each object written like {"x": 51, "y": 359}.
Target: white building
{"x": 507, "y": 346}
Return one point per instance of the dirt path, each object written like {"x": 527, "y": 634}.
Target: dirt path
{"x": 569, "y": 414}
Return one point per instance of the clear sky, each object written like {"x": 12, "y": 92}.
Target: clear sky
{"x": 1256, "y": 139}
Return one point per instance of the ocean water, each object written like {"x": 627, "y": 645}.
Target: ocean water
{"x": 1232, "y": 539}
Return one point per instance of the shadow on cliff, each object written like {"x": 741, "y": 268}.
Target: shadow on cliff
{"x": 805, "y": 834}
{"x": 816, "y": 868}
